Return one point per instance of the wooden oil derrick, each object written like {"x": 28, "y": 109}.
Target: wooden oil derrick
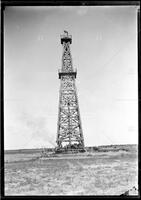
{"x": 69, "y": 128}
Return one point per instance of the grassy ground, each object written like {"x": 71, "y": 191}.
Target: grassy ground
{"x": 100, "y": 173}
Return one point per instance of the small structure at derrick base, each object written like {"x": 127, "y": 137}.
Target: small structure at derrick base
{"x": 69, "y": 129}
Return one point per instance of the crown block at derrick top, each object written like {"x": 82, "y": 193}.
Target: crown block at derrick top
{"x": 66, "y": 39}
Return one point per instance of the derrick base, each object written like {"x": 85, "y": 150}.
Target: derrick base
{"x": 70, "y": 148}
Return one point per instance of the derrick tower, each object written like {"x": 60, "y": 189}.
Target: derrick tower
{"x": 69, "y": 128}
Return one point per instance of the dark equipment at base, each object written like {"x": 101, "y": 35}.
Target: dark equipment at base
{"x": 73, "y": 148}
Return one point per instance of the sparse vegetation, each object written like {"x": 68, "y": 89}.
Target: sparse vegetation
{"x": 95, "y": 173}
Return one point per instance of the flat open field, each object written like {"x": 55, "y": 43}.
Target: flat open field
{"x": 96, "y": 173}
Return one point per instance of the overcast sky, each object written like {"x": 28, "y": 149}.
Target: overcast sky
{"x": 104, "y": 51}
